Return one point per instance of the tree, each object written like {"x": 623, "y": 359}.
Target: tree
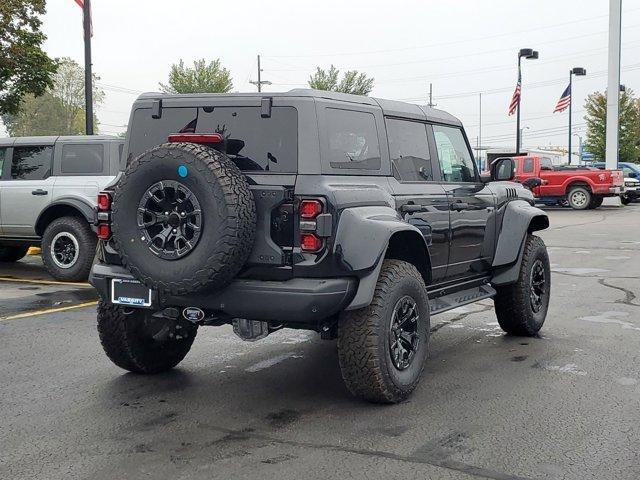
{"x": 202, "y": 78}
{"x": 352, "y": 81}
{"x": 629, "y": 141}
{"x": 60, "y": 110}
{"x": 24, "y": 67}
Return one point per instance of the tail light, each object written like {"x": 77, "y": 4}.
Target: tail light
{"x": 311, "y": 212}
{"x": 204, "y": 138}
{"x": 104, "y": 216}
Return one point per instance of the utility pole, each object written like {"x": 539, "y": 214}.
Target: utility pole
{"x": 431, "y": 104}
{"x": 260, "y": 82}
{"x": 88, "y": 80}
{"x": 480, "y": 129}
{"x": 613, "y": 85}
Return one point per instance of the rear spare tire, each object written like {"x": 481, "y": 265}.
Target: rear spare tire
{"x": 183, "y": 218}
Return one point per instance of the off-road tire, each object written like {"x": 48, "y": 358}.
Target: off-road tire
{"x": 363, "y": 338}
{"x": 596, "y": 202}
{"x": 127, "y": 344}
{"x": 228, "y": 218}
{"x": 513, "y": 304}
{"x": 86, "y": 239}
{"x": 11, "y": 254}
{"x": 579, "y": 198}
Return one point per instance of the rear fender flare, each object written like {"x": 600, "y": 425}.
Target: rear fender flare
{"x": 362, "y": 240}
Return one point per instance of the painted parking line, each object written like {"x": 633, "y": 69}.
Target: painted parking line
{"x": 35, "y": 313}
{"x": 44, "y": 282}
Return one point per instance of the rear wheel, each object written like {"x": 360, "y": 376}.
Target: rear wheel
{"x": 12, "y": 254}
{"x": 579, "y": 198}
{"x": 522, "y": 307}
{"x": 138, "y": 342}
{"x": 382, "y": 348}
{"x": 68, "y": 249}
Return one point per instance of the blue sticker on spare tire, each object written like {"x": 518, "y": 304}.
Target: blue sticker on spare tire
{"x": 182, "y": 171}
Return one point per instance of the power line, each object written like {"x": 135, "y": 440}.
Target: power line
{"x": 456, "y": 42}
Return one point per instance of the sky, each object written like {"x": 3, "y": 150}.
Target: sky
{"x": 462, "y": 47}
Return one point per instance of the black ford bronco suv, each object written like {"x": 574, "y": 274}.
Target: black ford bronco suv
{"x": 354, "y": 217}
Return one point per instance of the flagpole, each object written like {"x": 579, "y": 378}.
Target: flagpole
{"x": 570, "y": 102}
{"x": 88, "y": 84}
{"x": 518, "y": 107}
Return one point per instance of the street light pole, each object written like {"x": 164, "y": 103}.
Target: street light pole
{"x": 530, "y": 54}
{"x": 579, "y": 71}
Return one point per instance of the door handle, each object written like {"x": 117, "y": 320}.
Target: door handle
{"x": 459, "y": 206}
{"x": 411, "y": 208}
{"x": 39, "y": 192}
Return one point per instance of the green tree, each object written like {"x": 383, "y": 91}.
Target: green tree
{"x": 60, "y": 110}
{"x": 352, "y": 81}
{"x": 596, "y": 118}
{"x": 202, "y": 78}
{"x": 24, "y": 67}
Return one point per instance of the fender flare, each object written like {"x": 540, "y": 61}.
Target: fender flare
{"x": 520, "y": 218}
{"x": 361, "y": 243}
{"x": 85, "y": 208}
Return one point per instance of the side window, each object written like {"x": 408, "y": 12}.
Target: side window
{"x": 409, "y": 149}
{"x": 31, "y": 163}
{"x": 546, "y": 163}
{"x": 82, "y": 159}
{"x": 455, "y": 158}
{"x": 3, "y": 154}
{"x": 528, "y": 165}
{"x": 352, "y": 139}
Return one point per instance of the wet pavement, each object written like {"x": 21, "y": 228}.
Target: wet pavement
{"x": 565, "y": 405}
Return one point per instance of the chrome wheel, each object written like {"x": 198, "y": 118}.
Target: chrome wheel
{"x": 169, "y": 219}
{"x": 537, "y": 285}
{"x": 64, "y": 250}
{"x": 404, "y": 339}
{"x": 579, "y": 198}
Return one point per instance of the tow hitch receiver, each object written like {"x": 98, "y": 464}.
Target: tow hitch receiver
{"x": 250, "y": 330}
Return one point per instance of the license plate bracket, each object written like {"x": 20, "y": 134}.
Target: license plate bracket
{"x": 130, "y": 292}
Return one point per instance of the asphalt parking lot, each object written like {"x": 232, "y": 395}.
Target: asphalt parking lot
{"x": 565, "y": 405}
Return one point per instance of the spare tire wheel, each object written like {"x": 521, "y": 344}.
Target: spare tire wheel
{"x": 183, "y": 218}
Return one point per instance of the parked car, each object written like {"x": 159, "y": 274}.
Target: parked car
{"x": 354, "y": 217}
{"x": 48, "y": 188}
{"x": 631, "y": 173}
{"x": 581, "y": 187}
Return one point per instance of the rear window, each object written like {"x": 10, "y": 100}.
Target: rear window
{"x": 253, "y": 142}
{"x": 528, "y": 165}
{"x": 352, "y": 139}
{"x": 82, "y": 159}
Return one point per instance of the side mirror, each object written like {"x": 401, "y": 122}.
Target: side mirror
{"x": 532, "y": 183}
{"x": 503, "y": 169}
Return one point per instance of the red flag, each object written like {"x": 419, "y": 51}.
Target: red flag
{"x": 80, "y": 2}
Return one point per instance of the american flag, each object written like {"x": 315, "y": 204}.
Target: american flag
{"x": 565, "y": 100}
{"x": 515, "y": 100}
{"x": 81, "y": 5}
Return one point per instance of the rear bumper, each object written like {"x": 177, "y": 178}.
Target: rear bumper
{"x": 299, "y": 300}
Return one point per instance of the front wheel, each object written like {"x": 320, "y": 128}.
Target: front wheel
{"x": 136, "y": 341}
{"x": 68, "y": 249}
{"x": 579, "y": 198}
{"x": 382, "y": 348}
{"x": 625, "y": 199}
{"x": 522, "y": 307}
{"x": 12, "y": 254}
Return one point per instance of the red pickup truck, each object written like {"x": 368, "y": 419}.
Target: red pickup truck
{"x": 580, "y": 187}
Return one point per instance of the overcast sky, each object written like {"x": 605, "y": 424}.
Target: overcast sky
{"x": 463, "y": 47}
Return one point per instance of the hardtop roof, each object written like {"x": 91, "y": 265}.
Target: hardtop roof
{"x": 51, "y": 139}
{"x": 389, "y": 107}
